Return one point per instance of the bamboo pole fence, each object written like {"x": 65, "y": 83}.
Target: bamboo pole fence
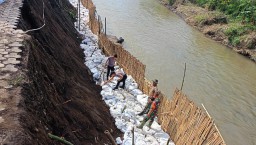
{"x": 180, "y": 117}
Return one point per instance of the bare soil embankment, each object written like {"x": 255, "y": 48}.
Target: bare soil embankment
{"x": 59, "y": 96}
{"x": 214, "y": 25}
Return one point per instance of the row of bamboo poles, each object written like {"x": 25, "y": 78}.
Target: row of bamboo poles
{"x": 181, "y": 118}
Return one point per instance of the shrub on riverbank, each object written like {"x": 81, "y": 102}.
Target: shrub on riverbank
{"x": 236, "y": 31}
{"x": 242, "y": 17}
{"x": 243, "y": 10}
{"x": 232, "y": 22}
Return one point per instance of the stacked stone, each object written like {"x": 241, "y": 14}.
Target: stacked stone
{"x": 10, "y": 42}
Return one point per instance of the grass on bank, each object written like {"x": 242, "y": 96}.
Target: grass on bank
{"x": 240, "y": 16}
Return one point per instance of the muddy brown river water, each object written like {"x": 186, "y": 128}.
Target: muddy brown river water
{"x": 224, "y": 81}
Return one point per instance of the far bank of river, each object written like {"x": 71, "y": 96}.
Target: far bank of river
{"x": 213, "y": 26}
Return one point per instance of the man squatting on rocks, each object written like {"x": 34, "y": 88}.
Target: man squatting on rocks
{"x": 122, "y": 78}
{"x": 152, "y": 93}
{"x": 110, "y": 63}
{"x": 152, "y": 113}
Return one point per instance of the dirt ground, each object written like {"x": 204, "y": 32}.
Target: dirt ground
{"x": 57, "y": 93}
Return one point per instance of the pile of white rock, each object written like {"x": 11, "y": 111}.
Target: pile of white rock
{"x": 124, "y": 104}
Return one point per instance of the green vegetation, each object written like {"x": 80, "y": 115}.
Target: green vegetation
{"x": 241, "y": 14}
{"x": 235, "y": 18}
{"x": 171, "y": 2}
{"x": 236, "y": 30}
{"x": 17, "y": 80}
{"x": 244, "y": 10}
{"x": 210, "y": 18}
{"x": 201, "y": 18}
{"x": 73, "y": 15}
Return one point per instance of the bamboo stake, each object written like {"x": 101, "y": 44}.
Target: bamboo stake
{"x": 59, "y": 139}
{"x": 168, "y": 141}
{"x": 79, "y": 19}
{"x": 105, "y": 26}
{"x": 183, "y": 78}
{"x": 133, "y": 136}
{"x": 110, "y": 137}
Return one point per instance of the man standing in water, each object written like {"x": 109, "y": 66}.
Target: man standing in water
{"x": 110, "y": 63}
{"x": 152, "y": 93}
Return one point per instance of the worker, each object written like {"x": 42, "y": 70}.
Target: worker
{"x": 120, "y": 40}
{"x": 110, "y": 63}
{"x": 122, "y": 78}
{"x": 155, "y": 102}
{"x": 152, "y": 93}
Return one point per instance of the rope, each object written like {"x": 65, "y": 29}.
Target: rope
{"x": 39, "y": 27}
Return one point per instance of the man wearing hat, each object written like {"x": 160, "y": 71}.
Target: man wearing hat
{"x": 152, "y": 113}
{"x": 152, "y": 93}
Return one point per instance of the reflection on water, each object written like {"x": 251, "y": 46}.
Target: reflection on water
{"x": 216, "y": 76}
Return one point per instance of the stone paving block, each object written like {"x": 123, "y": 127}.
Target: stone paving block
{"x": 1, "y": 65}
{"x": 10, "y": 68}
{"x": 13, "y": 18}
{"x": 17, "y": 44}
{"x": 18, "y": 31}
{"x": 2, "y": 77}
{"x": 12, "y": 61}
{"x": 2, "y": 19}
{"x": 2, "y": 58}
{"x": 10, "y": 26}
{"x": 4, "y": 41}
{"x": 3, "y": 94}
{"x": 18, "y": 40}
{"x": 13, "y": 21}
{"x": 2, "y": 27}
{"x": 12, "y": 55}
{"x": 5, "y": 62}
{"x": 15, "y": 49}
{"x": 19, "y": 35}
{"x": 2, "y": 106}
{"x": 1, "y": 120}
{"x": 3, "y": 83}
{"x": 4, "y": 52}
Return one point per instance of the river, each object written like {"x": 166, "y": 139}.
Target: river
{"x": 1, "y": 1}
{"x": 224, "y": 81}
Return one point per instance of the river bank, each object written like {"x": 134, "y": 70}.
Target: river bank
{"x": 216, "y": 26}
{"x": 58, "y": 94}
